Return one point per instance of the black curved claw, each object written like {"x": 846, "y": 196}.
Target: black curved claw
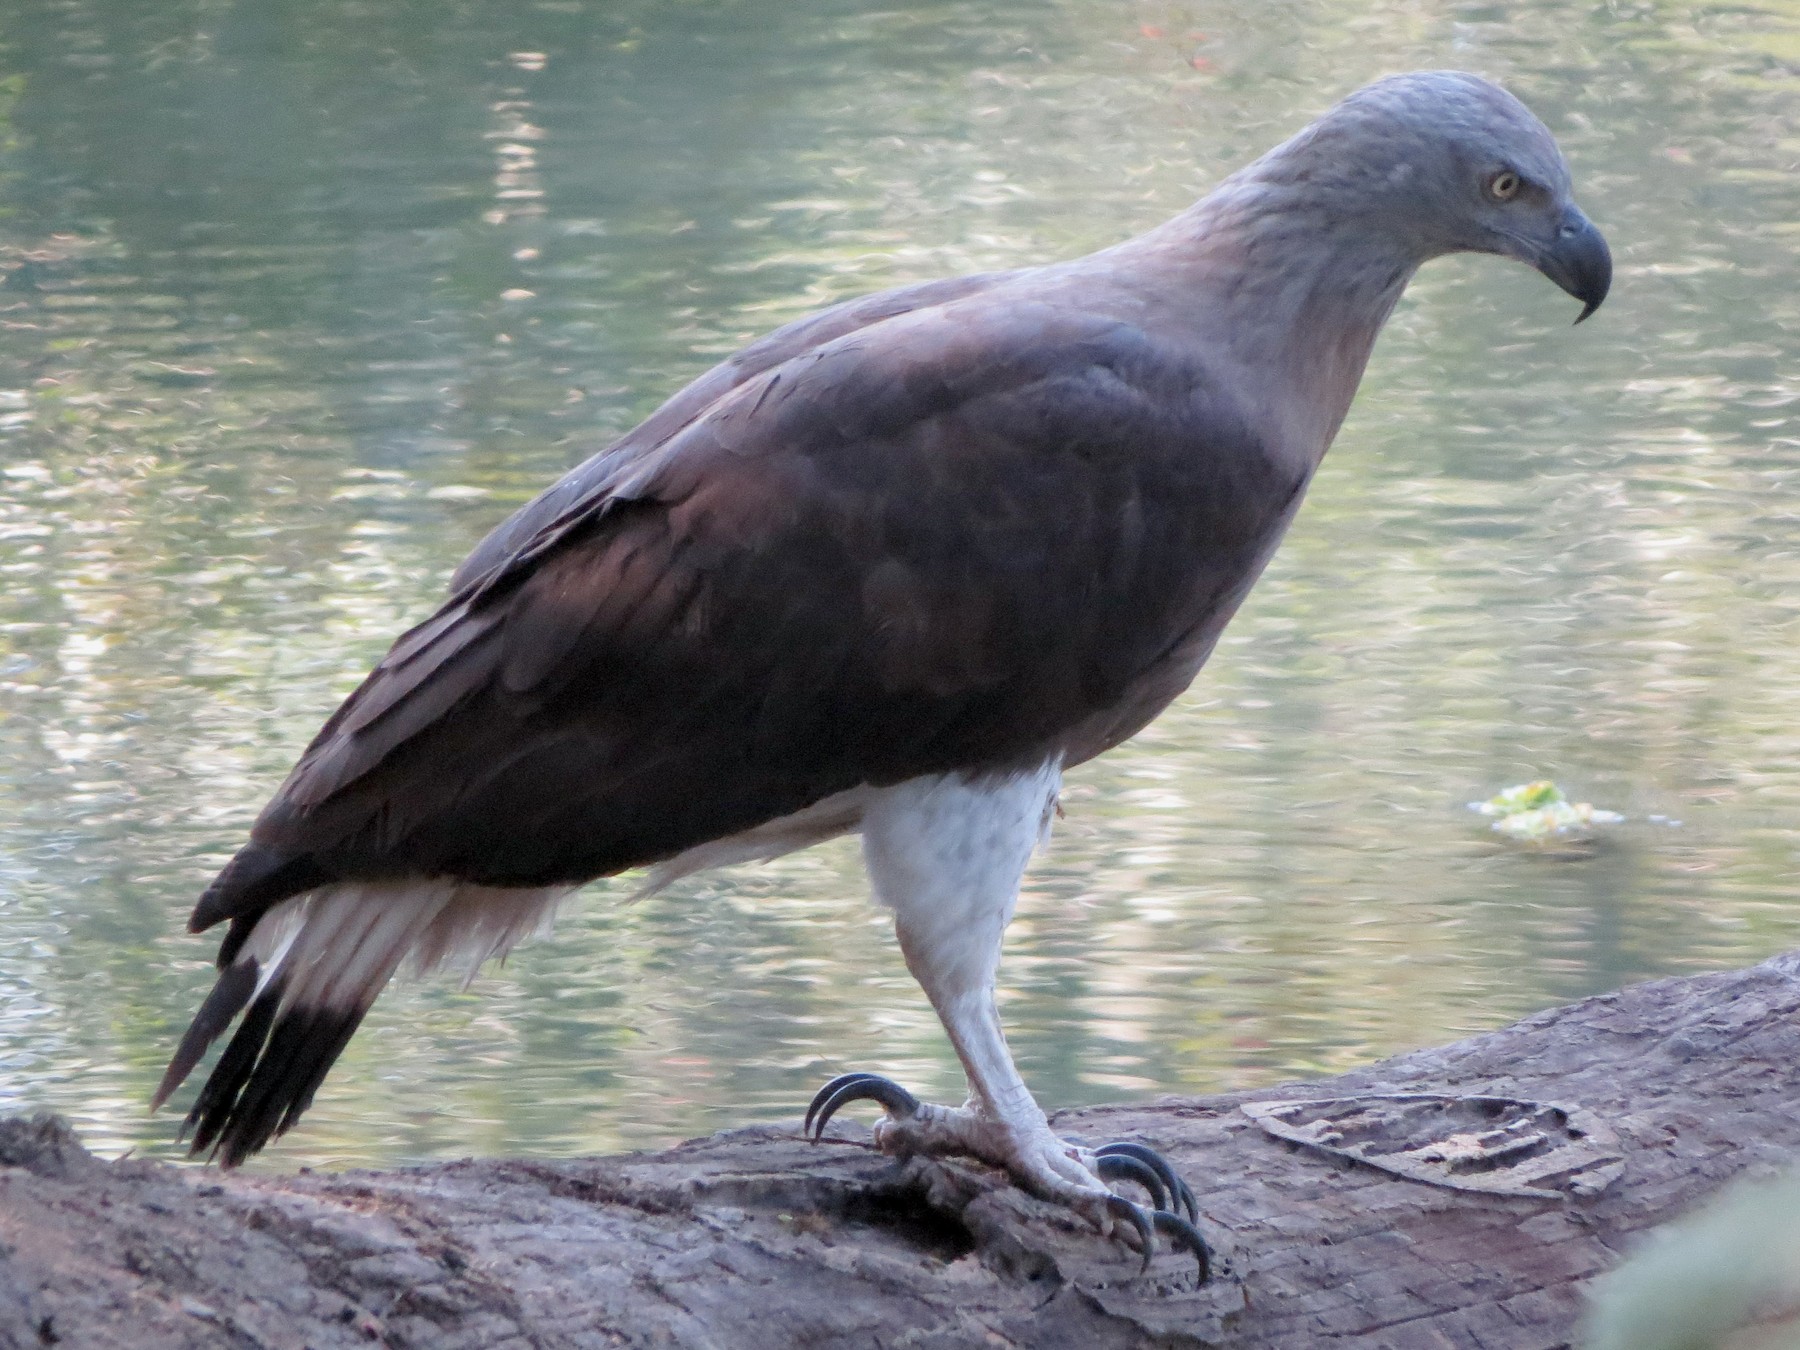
{"x": 1187, "y": 1237}
{"x": 1124, "y": 1167}
{"x": 851, "y": 1087}
{"x": 1121, "y": 1208}
{"x": 1148, "y": 1224}
{"x": 1178, "y": 1188}
{"x": 842, "y": 1080}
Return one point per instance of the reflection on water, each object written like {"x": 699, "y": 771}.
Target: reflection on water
{"x": 298, "y": 301}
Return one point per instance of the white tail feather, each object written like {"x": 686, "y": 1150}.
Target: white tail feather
{"x": 336, "y": 947}
{"x": 484, "y": 923}
{"x": 370, "y": 944}
{"x": 272, "y": 939}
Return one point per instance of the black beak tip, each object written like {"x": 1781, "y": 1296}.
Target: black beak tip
{"x": 1580, "y": 262}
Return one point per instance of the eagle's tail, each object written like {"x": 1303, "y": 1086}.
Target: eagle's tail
{"x": 308, "y": 971}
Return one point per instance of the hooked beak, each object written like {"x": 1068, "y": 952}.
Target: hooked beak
{"x": 1578, "y": 260}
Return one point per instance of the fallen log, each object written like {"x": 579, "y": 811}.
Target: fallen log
{"x": 1578, "y": 1128}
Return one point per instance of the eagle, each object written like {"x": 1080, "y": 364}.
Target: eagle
{"x": 891, "y": 570}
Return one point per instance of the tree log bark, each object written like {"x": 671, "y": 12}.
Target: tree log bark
{"x": 754, "y": 1238}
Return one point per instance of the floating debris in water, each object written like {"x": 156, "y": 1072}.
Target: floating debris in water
{"x": 1538, "y": 812}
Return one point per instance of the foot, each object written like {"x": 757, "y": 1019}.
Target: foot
{"x": 1049, "y": 1167}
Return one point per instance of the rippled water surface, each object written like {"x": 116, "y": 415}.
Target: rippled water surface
{"x": 299, "y": 300}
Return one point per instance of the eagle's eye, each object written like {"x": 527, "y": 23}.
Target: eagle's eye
{"x": 1504, "y": 186}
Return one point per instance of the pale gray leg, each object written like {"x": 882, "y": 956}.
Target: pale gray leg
{"x": 946, "y": 854}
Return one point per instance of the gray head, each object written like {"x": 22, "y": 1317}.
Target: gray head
{"x": 1445, "y": 162}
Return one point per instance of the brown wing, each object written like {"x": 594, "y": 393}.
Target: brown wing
{"x": 947, "y": 540}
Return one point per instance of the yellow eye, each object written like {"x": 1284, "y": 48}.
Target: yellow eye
{"x": 1504, "y": 186}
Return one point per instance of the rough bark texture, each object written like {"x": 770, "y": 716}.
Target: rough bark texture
{"x": 755, "y": 1239}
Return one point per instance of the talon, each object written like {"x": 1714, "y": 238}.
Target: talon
{"x": 851, "y": 1087}
{"x": 841, "y": 1081}
{"x": 1124, "y": 1167}
{"x": 1178, "y": 1189}
{"x": 1186, "y": 1197}
{"x": 1187, "y": 1237}
{"x": 1121, "y": 1208}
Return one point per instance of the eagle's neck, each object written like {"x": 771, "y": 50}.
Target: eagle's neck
{"x": 1292, "y": 287}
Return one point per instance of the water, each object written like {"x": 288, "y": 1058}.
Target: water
{"x": 300, "y": 299}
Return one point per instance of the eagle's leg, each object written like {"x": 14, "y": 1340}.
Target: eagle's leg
{"x": 946, "y": 854}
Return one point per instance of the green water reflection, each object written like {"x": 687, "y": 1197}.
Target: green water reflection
{"x": 300, "y": 299}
